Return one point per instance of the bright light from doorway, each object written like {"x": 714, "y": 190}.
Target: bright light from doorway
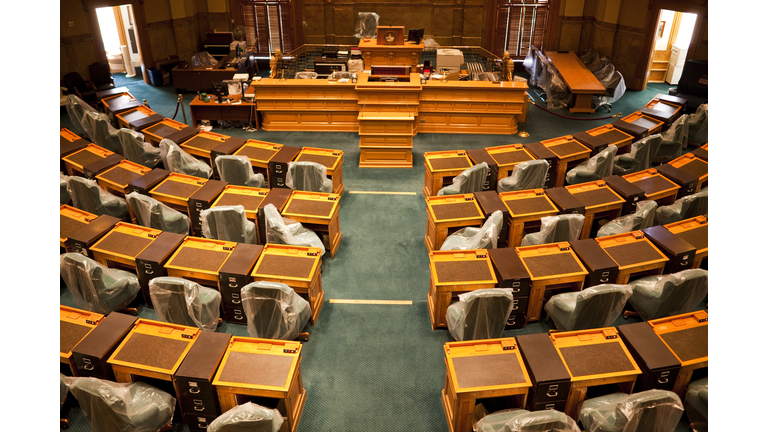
{"x": 108, "y": 28}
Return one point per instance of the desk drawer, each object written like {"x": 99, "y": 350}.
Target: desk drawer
{"x": 601, "y": 276}
{"x": 556, "y": 405}
{"x": 235, "y": 315}
{"x": 198, "y": 423}
{"x": 552, "y": 391}
{"x": 662, "y": 379}
{"x": 197, "y": 397}
{"x": 520, "y": 288}
{"x": 519, "y": 304}
{"x": 516, "y": 320}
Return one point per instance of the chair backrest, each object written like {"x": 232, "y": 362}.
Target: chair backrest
{"x": 673, "y": 141}
{"x": 248, "y": 417}
{"x": 596, "y": 168}
{"x": 227, "y": 223}
{"x": 541, "y": 421}
{"x": 237, "y": 170}
{"x": 306, "y": 176}
{"x": 63, "y": 193}
{"x": 168, "y": 300}
{"x": 525, "y": 175}
{"x": 684, "y": 208}
{"x": 682, "y": 292}
{"x": 599, "y": 306}
{"x": 101, "y": 132}
{"x": 136, "y": 150}
{"x": 565, "y": 227}
{"x": 273, "y": 310}
{"x": 152, "y": 213}
{"x": 74, "y": 80}
{"x": 100, "y": 73}
{"x": 76, "y": 108}
{"x": 486, "y": 314}
{"x": 85, "y": 194}
{"x": 470, "y": 180}
{"x": 95, "y": 287}
{"x": 698, "y": 125}
{"x": 175, "y": 159}
{"x": 693, "y": 70}
{"x": 649, "y": 411}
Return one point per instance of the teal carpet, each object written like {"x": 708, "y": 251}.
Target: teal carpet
{"x": 376, "y": 367}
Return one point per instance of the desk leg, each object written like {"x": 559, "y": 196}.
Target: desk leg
{"x": 562, "y": 167}
{"x": 515, "y": 234}
{"x": 575, "y": 396}
{"x": 582, "y": 102}
{"x": 589, "y": 219}
{"x": 227, "y": 400}
{"x": 535, "y": 300}
{"x": 683, "y": 378}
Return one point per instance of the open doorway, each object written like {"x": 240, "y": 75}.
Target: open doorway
{"x": 118, "y": 34}
{"x": 670, "y": 48}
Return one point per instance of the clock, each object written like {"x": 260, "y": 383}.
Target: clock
{"x": 390, "y": 35}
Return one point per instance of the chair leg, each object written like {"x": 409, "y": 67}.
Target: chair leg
{"x": 628, "y": 314}
{"x": 218, "y": 324}
{"x": 64, "y": 423}
{"x": 129, "y": 310}
{"x": 303, "y": 335}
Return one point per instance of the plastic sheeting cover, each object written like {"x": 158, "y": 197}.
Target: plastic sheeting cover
{"x": 684, "y": 208}
{"x": 673, "y": 141}
{"x": 95, "y": 287}
{"x": 152, "y": 213}
{"x": 98, "y": 127}
{"x": 203, "y": 58}
{"x": 305, "y": 75}
{"x": 247, "y": 417}
{"x": 89, "y": 196}
{"x": 495, "y": 421}
{"x": 647, "y": 411}
{"x": 281, "y": 230}
{"x": 274, "y": 310}
{"x": 76, "y": 109}
{"x": 175, "y": 159}
{"x": 525, "y": 175}
{"x": 595, "y": 168}
{"x": 63, "y": 193}
{"x": 468, "y": 238}
{"x": 111, "y": 406}
{"x": 366, "y": 24}
{"x": 541, "y": 421}
{"x": 480, "y": 314}
{"x": 566, "y": 227}
{"x": 643, "y": 217}
{"x": 63, "y": 389}
{"x": 594, "y": 307}
{"x": 228, "y": 223}
{"x": 468, "y": 181}
{"x": 136, "y": 150}
{"x": 237, "y": 170}
{"x": 672, "y": 294}
{"x": 308, "y": 176}
{"x": 698, "y": 125}
{"x": 181, "y": 301}
{"x": 640, "y": 156}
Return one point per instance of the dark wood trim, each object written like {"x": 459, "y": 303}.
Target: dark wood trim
{"x": 550, "y": 34}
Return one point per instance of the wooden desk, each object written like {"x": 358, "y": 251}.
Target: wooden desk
{"x": 74, "y": 326}
{"x": 694, "y": 231}
{"x": 206, "y": 146}
{"x": 260, "y": 153}
{"x": 448, "y": 213}
{"x": 507, "y": 156}
{"x": 199, "y": 259}
{"x": 655, "y": 186}
{"x": 580, "y": 81}
{"x": 638, "y": 125}
{"x": 70, "y": 220}
{"x": 248, "y": 197}
{"x": 569, "y": 153}
{"x": 512, "y": 274}
{"x": 611, "y": 136}
{"x": 663, "y": 110}
{"x": 693, "y": 165}
{"x": 296, "y": 266}
{"x": 92, "y": 353}
{"x": 552, "y": 266}
{"x": 138, "y": 118}
{"x": 170, "y": 129}
{"x": 526, "y": 208}
{"x": 332, "y": 160}
{"x": 550, "y": 379}
{"x": 69, "y": 142}
{"x": 279, "y": 377}
{"x": 76, "y": 162}
{"x": 659, "y": 365}
{"x": 152, "y": 349}
{"x": 441, "y": 167}
{"x": 231, "y": 108}
{"x": 687, "y": 336}
{"x": 116, "y": 179}
{"x": 594, "y": 357}
{"x": 488, "y": 369}
{"x": 118, "y": 103}
{"x": 234, "y": 274}
{"x": 120, "y": 247}
{"x": 600, "y": 202}
{"x": 318, "y": 212}
{"x": 635, "y": 254}
{"x": 176, "y": 190}
{"x": 199, "y": 78}
{"x": 374, "y": 54}
{"x": 702, "y": 152}
{"x": 453, "y": 273}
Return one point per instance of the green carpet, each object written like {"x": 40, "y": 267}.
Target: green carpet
{"x": 376, "y": 367}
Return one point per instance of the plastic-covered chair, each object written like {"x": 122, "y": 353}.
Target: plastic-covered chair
{"x": 184, "y": 302}
{"x": 175, "y": 159}
{"x": 595, "y": 168}
{"x": 684, "y": 208}
{"x": 228, "y": 223}
{"x": 673, "y": 141}
{"x": 89, "y": 196}
{"x": 203, "y": 58}
{"x": 486, "y": 237}
{"x": 615, "y": 87}
{"x": 593, "y": 61}
{"x": 525, "y": 175}
{"x": 111, "y": 406}
{"x": 152, "y": 213}
{"x": 646, "y": 411}
{"x": 643, "y": 217}
{"x": 480, "y": 314}
{"x": 594, "y": 307}
{"x": 698, "y": 125}
{"x": 63, "y": 392}
{"x": 100, "y": 130}
{"x": 495, "y": 422}
{"x": 468, "y": 181}
{"x": 95, "y": 287}
{"x": 640, "y": 155}
{"x": 305, "y": 75}
{"x": 274, "y": 310}
{"x": 672, "y": 294}
{"x": 237, "y": 170}
{"x": 533, "y": 65}
{"x": 63, "y": 193}
{"x": 539, "y": 421}
{"x": 136, "y": 150}
{"x": 555, "y": 229}
{"x": 247, "y": 417}
{"x": 366, "y": 25}
{"x": 308, "y": 176}
{"x": 76, "y": 109}
{"x": 697, "y": 403}
{"x": 282, "y": 230}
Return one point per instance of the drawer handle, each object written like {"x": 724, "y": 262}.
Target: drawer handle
{"x": 515, "y": 290}
{"x": 199, "y": 408}
{"x": 551, "y": 393}
{"x": 88, "y": 367}
{"x": 194, "y": 390}
{"x": 149, "y": 272}
{"x": 235, "y": 301}
{"x": 603, "y": 280}
{"x": 202, "y": 425}
{"x": 233, "y": 285}
{"x": 549, "y": 406}
{"x": 663, "y": 380}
